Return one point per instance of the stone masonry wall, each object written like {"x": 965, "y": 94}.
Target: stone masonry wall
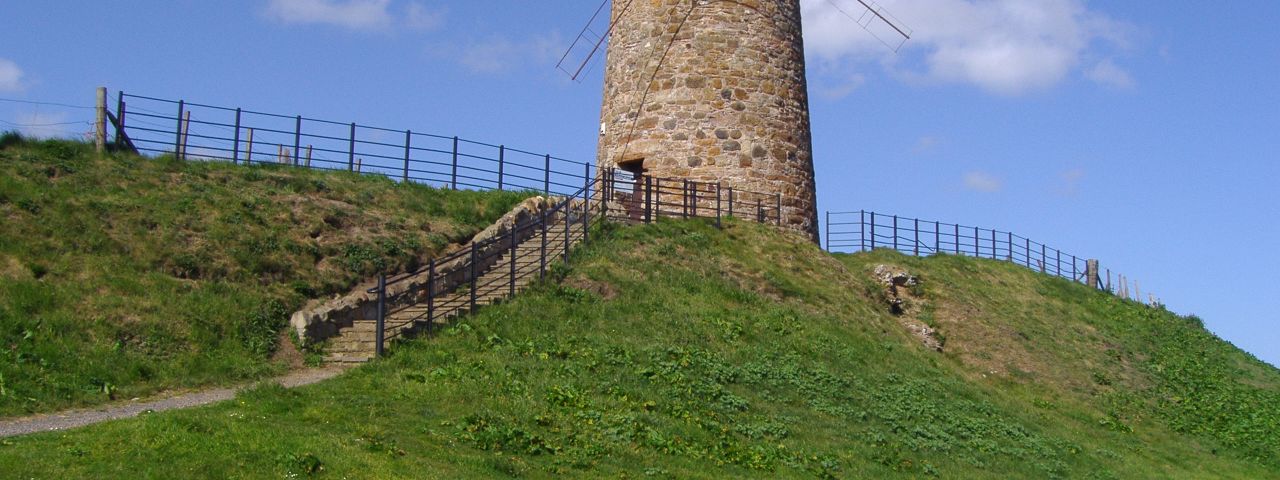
{"x": 728, "y": 102}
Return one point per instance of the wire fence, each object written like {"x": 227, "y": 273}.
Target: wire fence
{"x": 196, "y": 131}
{"x": 863, "y": 231}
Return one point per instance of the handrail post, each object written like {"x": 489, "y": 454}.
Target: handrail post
{"x": 453, "y": 182}
{"x": 586, "y": 217}
{"x": 542, "y": 261}
{"x": 730, "y": 201}
{"x": 473, "y": 277}
{"x": 351, "y": 149}
{"x": 1028, "y": 251}
{"x": 760, "y": 211}
{"x": 546, "y": 175}
{"x": 586, "y": 181}
{"x": 512, "y": 289}
{"x": 993, "y": 244}
{"x": 1010, "y": 247}
{"x": 431, "y": 293}
{"x": 1044, "y": 259}
{"x": 235, "y": 149}
{"x": 380, "y": 334}
{"x": 502, "y": 160}
{"x": 408, "y": 141}
{"x": 567, "y": 208}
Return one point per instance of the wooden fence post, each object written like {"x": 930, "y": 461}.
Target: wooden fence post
{"x": 248, "y": 151}
{"x": 100, "y": 121}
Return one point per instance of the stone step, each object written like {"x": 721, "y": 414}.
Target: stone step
{"x": 344, "y": 358}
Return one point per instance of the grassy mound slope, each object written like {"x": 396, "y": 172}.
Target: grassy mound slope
{"x": 681, "y": 351}
{"x": 121, "y": 275}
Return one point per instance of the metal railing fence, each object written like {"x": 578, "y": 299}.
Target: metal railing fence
{"x": 862, "y": 230}
{"x": 198, "y": 131}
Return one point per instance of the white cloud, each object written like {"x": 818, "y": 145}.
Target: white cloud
{"x": 354, "y": 14}
{"x": 1008, "y": 47}
{"x": 1107, "y": 73}
{"x": 925, "y": 144}
{"x": 498, "y": 54}
{"x": 840, "y": 88}
{"x": 10, "y": 77}
{"x": 982, "y": 182}
{"x": 420, "y": 18}
{"x": 1070, "y": 181}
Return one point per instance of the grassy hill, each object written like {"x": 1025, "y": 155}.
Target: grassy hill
{"x": 121, "y": 276}
{"x": 678, "y": 350}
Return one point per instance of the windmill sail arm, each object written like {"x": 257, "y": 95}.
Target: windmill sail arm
{"x": 576, "y": 49}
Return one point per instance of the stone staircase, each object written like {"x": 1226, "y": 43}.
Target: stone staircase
{"x": 356, "y": 343}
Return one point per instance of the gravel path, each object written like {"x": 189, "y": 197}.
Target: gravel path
{"x": 79, "y": 418}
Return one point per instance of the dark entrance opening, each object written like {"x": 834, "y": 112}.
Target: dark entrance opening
{"x": 633, "y": 202}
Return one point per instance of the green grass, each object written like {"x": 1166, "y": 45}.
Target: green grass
{"x": 121, "y": 275}
{"x": 677, "y": 350}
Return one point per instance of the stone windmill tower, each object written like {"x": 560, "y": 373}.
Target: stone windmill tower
{"x": 713, "y": 91}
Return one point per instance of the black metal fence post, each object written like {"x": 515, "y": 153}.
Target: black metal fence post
{"x": 730, "y": 201}
{"x": 586, "y": 217}
{"x": 297, "y": 139}
{"x": 502, "y": 160}
{"x": 993, "y": 244}
{"x": 937, "y": 237}
{"x": 648, "y": 199}
{"x": 684, "y": 198}
{"x": 895, "y": 232}
{"x": 408, "y": 141}
{"x": 777, "y": 198}
{"x": 546, "y": 175}
{"x": 586, "y": 181}
{"x": 119, "y": 119}
{"x": 453, "y": 178}
{"x": 567, "y": 209}
{"x": 1011, "y": 247}
{"x": 379, "y": 333}
{"x": 235, "y": 149}
{"x": 177, "y": 141}
{"x": 351, "y": 149}
{"x": 862, "y": 230}
{"x": 760, "y": 211}
{"x": 873, "y": 231}
{"x": 917, "y": 237}
{"x": 976, "y": 251}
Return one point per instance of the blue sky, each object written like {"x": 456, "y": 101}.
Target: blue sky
{"x": 1141, "y": 133}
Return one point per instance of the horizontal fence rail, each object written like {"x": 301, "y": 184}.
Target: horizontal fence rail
{"x": 862, "y": 231}
{"x": 197, "y": 131}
